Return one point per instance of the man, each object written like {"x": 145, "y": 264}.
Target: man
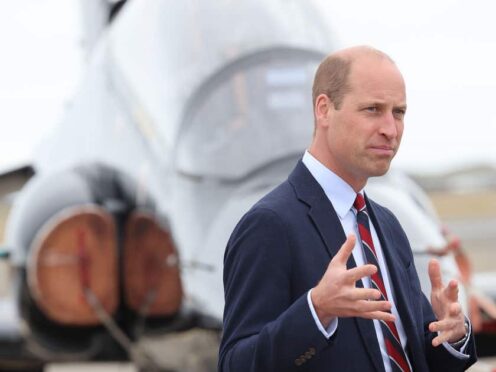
{"x": 316, "y": 277}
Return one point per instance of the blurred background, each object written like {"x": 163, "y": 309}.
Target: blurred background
{"x": 53, "y": 58}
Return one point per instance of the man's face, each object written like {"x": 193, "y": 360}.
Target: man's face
{"x": 364, "y": 134}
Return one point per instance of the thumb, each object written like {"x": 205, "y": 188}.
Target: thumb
{"x": 435, "y": 274}
{"x": 344, "y": 252}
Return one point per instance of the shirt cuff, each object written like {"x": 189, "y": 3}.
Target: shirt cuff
{"x": 460, "y": 353}
{"x": 333, "y": 325}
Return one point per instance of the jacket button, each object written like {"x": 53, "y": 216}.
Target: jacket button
{"x": 311, "y": 351}
{"x": 298, "y": 362}
{"x": 308, "y": 355}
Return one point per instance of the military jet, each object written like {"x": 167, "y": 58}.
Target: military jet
{"x": 189, "y": 111}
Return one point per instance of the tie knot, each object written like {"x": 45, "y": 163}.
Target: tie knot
{"x": 359, "y": 203}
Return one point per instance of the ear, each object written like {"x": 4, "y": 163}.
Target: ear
{"x": 323, "y": 108}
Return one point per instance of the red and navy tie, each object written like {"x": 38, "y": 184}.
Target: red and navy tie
{"x": 391, "y": 337}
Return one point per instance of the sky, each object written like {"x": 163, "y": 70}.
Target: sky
{"x": 40, "y": 66}
{"x": 446, "y": 50}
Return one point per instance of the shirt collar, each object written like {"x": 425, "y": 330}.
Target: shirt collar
{"x": 341, "y": 195}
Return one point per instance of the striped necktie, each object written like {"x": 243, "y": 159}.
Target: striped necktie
{"x": 391, "y": 337}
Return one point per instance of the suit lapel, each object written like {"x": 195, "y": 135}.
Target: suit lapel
{"x": 328, "y": 225}
{"x": 321, "y": 211}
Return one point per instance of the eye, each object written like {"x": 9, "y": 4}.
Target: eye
{"x": 372, "y": 109}
{"x": 399, "y": 113}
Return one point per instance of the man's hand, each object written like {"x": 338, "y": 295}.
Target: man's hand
{"x": 444, "y": 300}
{"x": 337, "y": 296}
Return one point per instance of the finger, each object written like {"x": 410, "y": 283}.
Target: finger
{"x": 379, "y": 315}
{"x": 359, "y": 272}
{"x": 439, "y": 339}
{"x": 441, "y": 325}
{"x": 344, "y": 252}
{"x": 365, "y": 294}
{"x": 435, "y": 274}
{"x": 451, "y": 290}
{"x": 365, "y": 306}
{"x": 455, "y": 310}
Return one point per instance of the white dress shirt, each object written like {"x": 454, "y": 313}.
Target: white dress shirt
{"x": 342, "y": 197}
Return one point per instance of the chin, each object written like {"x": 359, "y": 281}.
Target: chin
{"x": 379, "y": 171}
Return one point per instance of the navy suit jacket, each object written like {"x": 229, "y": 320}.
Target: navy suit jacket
{"x": 278, "y": 251}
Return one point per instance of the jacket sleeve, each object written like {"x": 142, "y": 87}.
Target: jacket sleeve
{"x": 264, "y": 331}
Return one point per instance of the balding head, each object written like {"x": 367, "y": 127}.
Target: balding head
{"x": 332, "y": 76}
{"x": 359, "y": 107}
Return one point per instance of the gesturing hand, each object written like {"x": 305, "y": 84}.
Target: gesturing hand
{"x": 337, "y": 296}
{"x": 444, "y": 300}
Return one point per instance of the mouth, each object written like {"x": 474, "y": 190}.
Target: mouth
{"x": 387, "y": 151}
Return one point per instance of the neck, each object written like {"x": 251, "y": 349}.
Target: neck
{"x": 355, "y": 183}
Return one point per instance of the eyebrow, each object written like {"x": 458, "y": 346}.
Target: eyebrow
{"x": 382, "y": 103}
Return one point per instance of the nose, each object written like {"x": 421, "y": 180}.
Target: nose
{"x": 389, "y": 126}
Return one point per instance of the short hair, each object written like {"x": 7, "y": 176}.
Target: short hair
{"x": 332, "y": 76}
{"x": 331, "y": 79}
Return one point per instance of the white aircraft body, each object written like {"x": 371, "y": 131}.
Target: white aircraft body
{"x": 189, "y": 112}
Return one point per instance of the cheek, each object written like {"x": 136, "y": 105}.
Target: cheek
{"x": 339, "y": 138}
{"x": 400, "y": 132}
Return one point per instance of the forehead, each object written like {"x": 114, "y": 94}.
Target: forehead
{"x": 375, "y": 77}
